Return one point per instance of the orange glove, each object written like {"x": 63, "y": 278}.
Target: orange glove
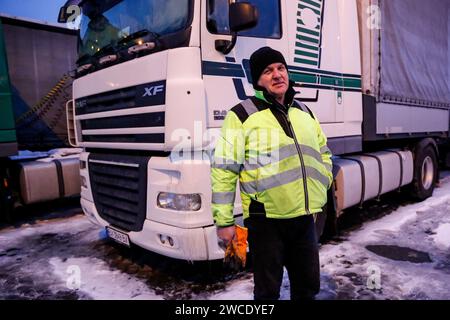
{"x": 236, "y": 251}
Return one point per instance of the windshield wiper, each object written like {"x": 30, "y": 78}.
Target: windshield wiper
{"x": 138, "y": 34}
{"x": 108, "y": 49}
{"x": 83, "y": 59}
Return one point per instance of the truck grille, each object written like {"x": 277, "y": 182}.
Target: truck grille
{"x": 128, "y": 115}
{"x": 119, "y": 188}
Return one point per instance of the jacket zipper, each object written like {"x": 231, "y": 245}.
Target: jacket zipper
{"x": 300, "y": 154}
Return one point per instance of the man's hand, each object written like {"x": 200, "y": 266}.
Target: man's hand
{"x": 226, "y": 234}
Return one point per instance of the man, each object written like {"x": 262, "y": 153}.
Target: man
{"x": 276, "y": 148}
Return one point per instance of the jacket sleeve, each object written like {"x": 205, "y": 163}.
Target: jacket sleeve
{"x": 325, "y": 152}
{"x": 229, "y": 155}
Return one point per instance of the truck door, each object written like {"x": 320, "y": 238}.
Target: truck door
{"x": 320, "y": 41}
{"x": 227, "y": 77}
{"x": 316, "y": 56}
{"x": 325, "y": 63}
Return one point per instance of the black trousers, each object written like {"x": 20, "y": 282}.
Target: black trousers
{"x": 275, "y": 243}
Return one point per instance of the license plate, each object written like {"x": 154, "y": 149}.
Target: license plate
{"x": 118, "y": 236}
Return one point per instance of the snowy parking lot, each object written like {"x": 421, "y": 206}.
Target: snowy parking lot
{"x": 402, "y": 254}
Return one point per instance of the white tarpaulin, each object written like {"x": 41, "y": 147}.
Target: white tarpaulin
{"x": 415, "y": 53}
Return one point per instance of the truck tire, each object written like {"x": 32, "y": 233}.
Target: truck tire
{"x": 425, "y": 172}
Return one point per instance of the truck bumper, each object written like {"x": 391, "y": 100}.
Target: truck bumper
{"x": 194, "y": 244}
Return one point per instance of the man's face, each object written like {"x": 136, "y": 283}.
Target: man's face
{"x": 275, "y": 79}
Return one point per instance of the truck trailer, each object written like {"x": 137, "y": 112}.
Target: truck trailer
{"x": 35, "y": 61}
{"x": 155, "y": 79}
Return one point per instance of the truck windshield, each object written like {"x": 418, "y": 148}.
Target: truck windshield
{"x": 105, "y": 22}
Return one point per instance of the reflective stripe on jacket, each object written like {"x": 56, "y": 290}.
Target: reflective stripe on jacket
{"x": 271, "y": 151}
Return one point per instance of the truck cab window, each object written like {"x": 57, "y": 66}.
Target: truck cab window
{"x": 269, "y": 25}
{"x": 104, "y": 23}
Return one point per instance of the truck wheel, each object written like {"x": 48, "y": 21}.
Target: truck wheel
{"x": 425, "y": 172}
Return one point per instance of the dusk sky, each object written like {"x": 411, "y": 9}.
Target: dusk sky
{"x": 42, "y": 10}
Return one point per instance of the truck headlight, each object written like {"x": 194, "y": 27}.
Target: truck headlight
{"x": 180, "y": 202}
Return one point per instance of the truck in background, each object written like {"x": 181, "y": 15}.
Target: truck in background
{"x": 8, "y": 139}
{"x": 35, "y": 61}
{"x": 155, "y": 80}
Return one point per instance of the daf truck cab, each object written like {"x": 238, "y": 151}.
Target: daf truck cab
{"x": 155, "y": 79}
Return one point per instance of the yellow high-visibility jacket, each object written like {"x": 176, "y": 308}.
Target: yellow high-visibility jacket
{"x": 280, "y": 157}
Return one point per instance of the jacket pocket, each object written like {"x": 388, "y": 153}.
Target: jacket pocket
{"x": 256, "y": 208}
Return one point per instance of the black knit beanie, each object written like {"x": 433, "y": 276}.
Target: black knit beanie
{"x": 262, "y": 58}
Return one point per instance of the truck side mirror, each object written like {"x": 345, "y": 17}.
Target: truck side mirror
{"x": 242, "y": 16}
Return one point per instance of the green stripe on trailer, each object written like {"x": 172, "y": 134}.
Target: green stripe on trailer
{"x": 309, "y": 39}
{"x": 299, "y": 44}
{"x": 321, "y": 79}
{"x": 311, "y": 32}
{"x": 7, "y": 136}
{"x": 333, "y": 81}
{"x": 306, "y": 54}
{"x": 313, "y": 3}
{"x": 352, "y": 83}
{"x": 344, "y": 83}
{"x": 7, "y": 124}
{"x": 304, "y": 61}
{"x": 303, "y": 77}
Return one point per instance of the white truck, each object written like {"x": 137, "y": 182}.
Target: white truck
{"x": 155, "y": 79}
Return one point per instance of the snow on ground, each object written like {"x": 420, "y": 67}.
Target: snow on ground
{"x": 407, "y": 234}
{"x": 442, "y": 236}
{"x": 349, "y": 270}
{"x": 101, "y": 283}
{"x": 240, "y": 289}
{"x": 57, "y": 260}
{"x": 403, "y": 255}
